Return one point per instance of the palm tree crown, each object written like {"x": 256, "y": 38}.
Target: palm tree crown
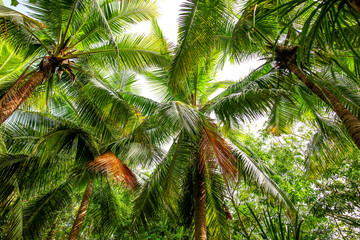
{"x": 83, "y": 30}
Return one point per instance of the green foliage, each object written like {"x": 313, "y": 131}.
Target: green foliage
{"x": 318, "y": 196}
{"x": 303, "y": 158}
{"x": 274, "y": 227}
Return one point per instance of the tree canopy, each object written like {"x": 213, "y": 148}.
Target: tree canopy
{"x": 273, "y": 155}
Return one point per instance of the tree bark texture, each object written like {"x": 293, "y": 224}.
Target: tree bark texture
{"x": 200, "y": 204}
{"x": 18, "y": 94}
{"x": 351, "y": 123}
{"x": 75, "y": 231}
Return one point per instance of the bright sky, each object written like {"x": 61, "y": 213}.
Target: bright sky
{"x": 168, "y": 13}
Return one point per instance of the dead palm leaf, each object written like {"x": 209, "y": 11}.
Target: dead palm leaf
{"x": 214, "y": 147}
{"x": 109, "y": 164}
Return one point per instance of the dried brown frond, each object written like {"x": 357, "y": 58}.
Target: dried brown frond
{"x": 355, "y": 4}
{"x": 109, "y": 164}
{"x": 275, "y": 131}
{"x": 214, "y": 148}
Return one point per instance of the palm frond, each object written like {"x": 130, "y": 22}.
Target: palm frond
{"x": 15, "y": 221}
{"x": 282, "y": 116}
{"x": 255, "y": 30}
{"x": 164, "y": 182}
{"x": 108, "y": 163}
{"x": 146, "y": 106}
{"x": 135, "y": 52}
{"x": 201, "y": 23}
{"x": 186, "y": 201}
{"x": 104, "y": 210}
{"x": 158, "y": 79}
{"x": 40, "y": 212}
{"x": 177, "y": 115}
{"x": 166, "y": 47}
{"x": 11, "y": 64}
{"x": 117, "y": 17}
{"x": 327, "y": 146}
{"x": 213, "y": 145}
{"x": 251, "y": 170}
{"x": 248, "y": 99}
{"x": 19, "y": 18}
{"x": 216, "y": 217}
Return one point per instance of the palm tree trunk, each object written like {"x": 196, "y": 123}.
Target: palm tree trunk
{"x": 200, "y": 204}
{"x": 18, "y": 94}
{"x": 351, "y": 123}
{"x": 75, "y": 231}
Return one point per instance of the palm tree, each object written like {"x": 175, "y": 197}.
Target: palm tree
{"x": 77, "y": 142}
{"x": 260, "y": 21}
{"x": 45, "y": 208}
{"x": 200, "y": 160}
{"x": 83, "y": 30}
{"x": 259, "y": 29}
{"x": 62, "y": 143}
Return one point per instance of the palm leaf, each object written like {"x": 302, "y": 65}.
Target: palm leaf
{"x": 250, "y": 168}
{"x": 108, "y": 163}
{"x": 213, "y": 145}
{"x": 40, "y": 212}
{"x": 201, "y": 23}
{"x": 216, "y": 217}
{"x": 19, "y": 18}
